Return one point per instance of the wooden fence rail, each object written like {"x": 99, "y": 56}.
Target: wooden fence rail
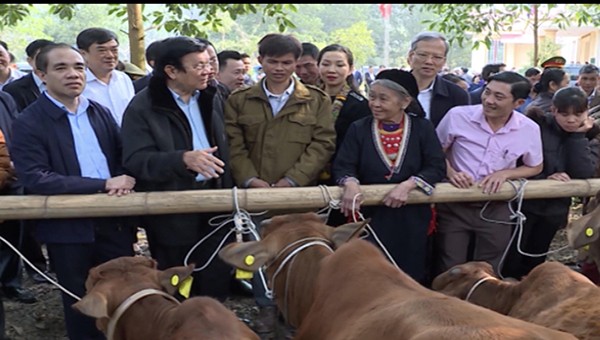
{"x": 150, "y": 203}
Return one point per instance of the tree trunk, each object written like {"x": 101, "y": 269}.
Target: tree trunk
{"x": 535, "y": 35}
{"x": 136, "y": 35}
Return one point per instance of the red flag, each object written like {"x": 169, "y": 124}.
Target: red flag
{"x": 386, "y": 10}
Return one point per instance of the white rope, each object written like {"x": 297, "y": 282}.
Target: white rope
{"x": 242, "y": 225}
{"x": 370, "y": 230}
{"x": 66, "y": 291}
{"x": 520, "y": 219}
{"x": 291, "y": 255}
{"x": 476, "y": 285}
{"x": 331, "y": 202}
{"x": 114, "y": 319}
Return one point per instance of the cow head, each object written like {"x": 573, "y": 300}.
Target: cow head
{"x": 586, "y": 229}
{"x": 110, "y": 283}
{"x": 282, "y": 230}
{"x": 458, "y": 280}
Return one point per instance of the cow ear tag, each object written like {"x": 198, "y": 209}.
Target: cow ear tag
{"x": 241, "y": 274}
{"x": 185, "y": 287}
{"x": 174, "y": 280}
{"x": 589, "y": 232}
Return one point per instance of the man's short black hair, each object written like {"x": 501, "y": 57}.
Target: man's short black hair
{"x": 589, "y": 68}
{"x": 532, "y": 71}
{"x": 152, "y": 50}
{"x": 94, "y": 35}
{"x": 310, "y": 49}
{"x": 226, "y": 55}
{"x": 35, "y": 46}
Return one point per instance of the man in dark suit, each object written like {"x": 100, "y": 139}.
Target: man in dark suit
{"x": 64, "y": 143}
{"x": 27, "y": 89}
{"x": 427, "y": 57}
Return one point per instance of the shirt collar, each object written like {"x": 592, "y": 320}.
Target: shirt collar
{"x": 84, "y": 103}
{"x": 287, "y": 91}
{"x": 513, "y": 122}
{"x": 177, "y": 97}
{"x": 429, "y": 88}
{"x": 38, "y": 82}
{"x": 89, "y": 75}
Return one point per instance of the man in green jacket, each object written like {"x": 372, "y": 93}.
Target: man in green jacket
{"x": 280, "y": 133}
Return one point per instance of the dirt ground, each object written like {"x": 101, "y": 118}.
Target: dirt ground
{"x": 43, "y": 320}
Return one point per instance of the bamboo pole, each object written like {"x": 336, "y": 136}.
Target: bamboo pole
{"x": 222, "y": 200}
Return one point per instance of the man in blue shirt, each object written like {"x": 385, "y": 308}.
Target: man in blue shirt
{"x": 174, "y": 140}
{"x": 64, "y": 143}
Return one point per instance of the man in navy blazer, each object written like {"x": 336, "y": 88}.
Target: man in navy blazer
{"x": 64, "y": 143}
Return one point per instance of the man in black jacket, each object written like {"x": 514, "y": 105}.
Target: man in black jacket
{"x": 27, "y": 89}
{"x": 427, "y": 57}
{"x": 150, "y": 54}
{"x": 174, "y": 140}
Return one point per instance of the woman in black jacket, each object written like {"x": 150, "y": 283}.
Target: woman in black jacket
{"x": 567, "y": 156}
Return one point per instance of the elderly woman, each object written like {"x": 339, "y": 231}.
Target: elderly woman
{"x": 396, "y": 145}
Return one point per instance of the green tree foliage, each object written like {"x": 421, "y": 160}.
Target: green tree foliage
{"x": 461, "y": 21}
{"x": 181, "y": 19}
{"x": 358, "y": 38}
{"x": 194, "y": 20}
{"x": 316, "y": 23}
{"x": 548, "y": 49}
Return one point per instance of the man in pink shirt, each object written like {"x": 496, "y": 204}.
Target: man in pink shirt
{"x": 485, "y": 145}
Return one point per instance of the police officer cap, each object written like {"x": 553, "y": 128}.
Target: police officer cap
{"x": 555, "y": 62}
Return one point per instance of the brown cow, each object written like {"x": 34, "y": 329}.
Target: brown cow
{"x": 551, "y": 295}
{"x": 356, "y": 293}
{"x": 155, "y": 314}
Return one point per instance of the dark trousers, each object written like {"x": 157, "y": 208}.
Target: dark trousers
{"x": 2, "y": 321}
{"x": 215, "y": 279}
{"x": 31, "y": 247}
{"x": 10, "y": 262}
{"x": 72, "y": 263}
{"x": 458, "y": 223}
{"x": 538, "y": 232}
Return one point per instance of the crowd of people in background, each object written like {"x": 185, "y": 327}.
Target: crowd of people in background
{"x": 84, "y": 122}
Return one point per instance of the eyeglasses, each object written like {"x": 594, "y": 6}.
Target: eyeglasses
{"x": 201, "y": 66}
{"x": 422, "y": 56}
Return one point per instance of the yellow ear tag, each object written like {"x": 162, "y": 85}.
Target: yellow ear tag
{"x": 589, "y": 232}
{"x": 174, "y": 280}
{"x": 249, "y": 260}
{"x": 186, "y": 287}
{"x": 242, "y": 274}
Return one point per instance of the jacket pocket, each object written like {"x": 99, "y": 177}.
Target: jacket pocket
{"x": 301, "y": 128}
{"x": 251, "y": 126}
